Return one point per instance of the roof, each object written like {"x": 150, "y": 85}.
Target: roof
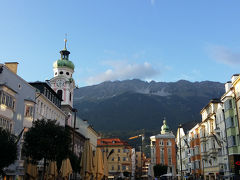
{"x": 111, "y": 142}
{"x": 212, "y": 101}
{"x": 63, "y": 63}
{"x": 189, "y": 125}
{"x": 39, "y": 84}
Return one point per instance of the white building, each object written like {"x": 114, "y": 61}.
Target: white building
{"x": 17, "y": 99}
{"x": 221, "y": 139}
{"x": 63, "y": 83}
{"x": 185, "y": 157}
{"x": 48, "y": 103}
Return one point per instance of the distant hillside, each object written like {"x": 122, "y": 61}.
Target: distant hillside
{"x": 131, "y": 105}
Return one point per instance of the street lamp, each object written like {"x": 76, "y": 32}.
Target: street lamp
{"x": 141, "y": 149}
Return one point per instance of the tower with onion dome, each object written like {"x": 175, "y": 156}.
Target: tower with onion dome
{"x": 62, "y": 82}
{"x": 163, "y": 149}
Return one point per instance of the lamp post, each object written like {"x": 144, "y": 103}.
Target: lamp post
{"x": 141, "y": 149}
{"x": 180, "y": 149}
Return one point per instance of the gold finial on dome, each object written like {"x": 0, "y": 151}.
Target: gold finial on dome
{"x": 65, "y": 40}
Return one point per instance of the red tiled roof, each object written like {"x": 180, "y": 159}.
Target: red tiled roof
{"x": 111, "y": 142}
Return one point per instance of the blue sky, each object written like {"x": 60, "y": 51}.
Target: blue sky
{"x": 161, "y": 40}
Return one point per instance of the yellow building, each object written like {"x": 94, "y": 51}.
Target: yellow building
{"x": 118, "y": 155}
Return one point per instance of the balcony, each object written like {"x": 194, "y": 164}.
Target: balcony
{"x": 204, "y": 154}
{"x": 213, "y": 151}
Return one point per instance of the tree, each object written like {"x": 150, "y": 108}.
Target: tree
{"x": 8, "y": 150}
{"x": 47, "y": 140}
{"x": 159, "y": 170}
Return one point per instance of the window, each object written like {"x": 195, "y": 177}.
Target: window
{"x": 112, "y": 167}
{"x": 162, "y": 155}
{"x": 196, "y": 150}
{"x": 119, "y": 150}
{"x": 124, "y": 167}
{"x": 112, "y": 158}
{"x": 229, "y": 122}
{"x": 124, "y": 158}
{"x": 230, "y": 103}
{"x": 59, "y": 93}
{"x": 231, "y": 141}
{"x": 169, "y": 156}
{"x": 169, "y": 143}
{"x": 6, "y": 124}
{"x": 28, "y": 111}
{"x": 61, "y": 72}
{"x": 70, "y": 96}
{"x": 55, "y": 73}
{"x": 7, "y": 100}
{"x": 125, "y": 150}
{"x": 161, "y": 143}
{"x": 118, "y": 167}
{"x": 203, "y": 147}
{"x": 67, "y": 73}
{"x": 118, "y": 158}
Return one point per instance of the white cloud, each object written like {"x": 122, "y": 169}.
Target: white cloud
{"x": 121, "y": 70}
{"x": 224, "y": 55}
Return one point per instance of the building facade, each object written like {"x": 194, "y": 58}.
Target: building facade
{"x": 184, "y": 163}
{"x": 231, "y": 115}
{"x": 48, "y": 103}
{"x": 163, "y": 149}
{"x": 17, "y": 100}
{"x": 119, "y": 156}
{"x": 195, "y": 152}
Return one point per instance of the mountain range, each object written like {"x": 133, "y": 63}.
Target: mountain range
{"x": 133, "y": 105}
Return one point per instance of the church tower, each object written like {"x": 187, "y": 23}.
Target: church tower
{"x": 63, "y": 83}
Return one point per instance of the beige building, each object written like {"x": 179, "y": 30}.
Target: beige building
{"x": 119, "y": 157}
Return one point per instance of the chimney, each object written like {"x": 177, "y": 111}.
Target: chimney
{"x": 12, "y": 66}
{"x": 234, "y": 77}
{"x": 228, "y": 85}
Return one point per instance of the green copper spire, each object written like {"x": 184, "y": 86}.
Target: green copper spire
{"x": 165, "y": 129}
{"x": 64, "y": 61}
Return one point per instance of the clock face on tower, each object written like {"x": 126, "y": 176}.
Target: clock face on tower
{"x": 59, "y": 83}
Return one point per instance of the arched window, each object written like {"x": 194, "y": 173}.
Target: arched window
{"x": 59, "y": 93}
